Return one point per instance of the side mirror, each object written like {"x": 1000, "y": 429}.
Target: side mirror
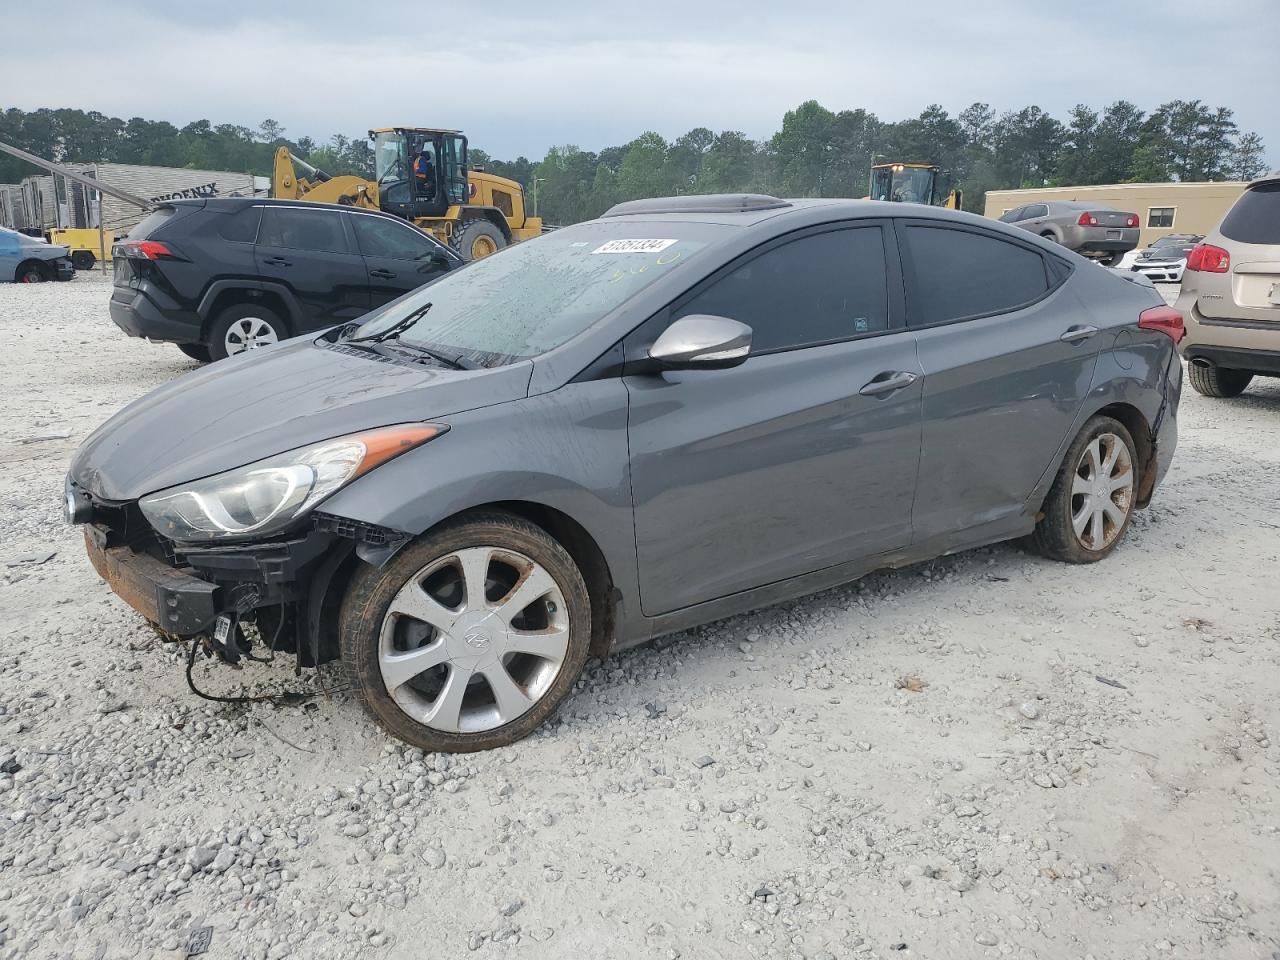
{"x": 701, "y": 341}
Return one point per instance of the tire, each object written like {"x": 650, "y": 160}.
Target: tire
{"x": 1050, "y": 236}
{"x": 471, "y": 646}
{"x": 241, "y": 323}
{"x": 1078, "y": 491}
{"x": 1210, "y": 380}
{"x": 479, "y": 239}
{"x": 83, "y": 260}
{"x": 32, "y": 271}
{"x": 196, "y": 351}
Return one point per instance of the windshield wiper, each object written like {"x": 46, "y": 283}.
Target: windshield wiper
{"x": 455, "y": 360}
{"x": 393, "y": 332}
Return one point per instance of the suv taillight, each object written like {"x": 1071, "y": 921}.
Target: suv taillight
{"x": 1165, "y": 319}
{"x": 1087, "y": 220}
{"x": 145, "y": 250}
{"x": 1207, "y": 258}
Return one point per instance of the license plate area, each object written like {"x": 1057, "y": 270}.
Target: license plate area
{"x": 1113, "y": 234}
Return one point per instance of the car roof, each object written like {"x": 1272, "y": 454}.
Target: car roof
{"x": 235, "y": 203}
{"x": 707, "y": 209}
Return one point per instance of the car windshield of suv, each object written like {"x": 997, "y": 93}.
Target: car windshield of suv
{"x": 536, "y": 295}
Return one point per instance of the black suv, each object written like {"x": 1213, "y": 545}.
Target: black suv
{"x": 220, "y": 276}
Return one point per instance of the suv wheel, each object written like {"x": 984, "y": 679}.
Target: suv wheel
{"x": 1211, "y": 380}
{"x": 1092, "y": 498}
{"x": 469, "y": 638}
{"x": 242, "y": 327}
{"x": 196, "y": 351}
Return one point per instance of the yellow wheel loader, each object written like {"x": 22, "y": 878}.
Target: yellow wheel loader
{"x": 910, "y": 183}
{"x": 421, "y": 174}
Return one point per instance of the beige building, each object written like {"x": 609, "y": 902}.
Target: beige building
{"x": 1162, "y": 208}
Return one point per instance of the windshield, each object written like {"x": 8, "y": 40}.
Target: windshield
{"x": 536, "y": 295}
{"x": 390, "y": 157}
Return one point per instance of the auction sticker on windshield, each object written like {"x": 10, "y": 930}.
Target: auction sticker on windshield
{"x": 633, "y": 246}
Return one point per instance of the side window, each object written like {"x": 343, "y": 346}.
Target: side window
{"x": 241, "y": 226}
{"x": 962, "y": 274}
{"x": 826, "y": 286}
{"x": 1012, "y": 216}
{"x": 316, "y": 230}
{"x": 1034, "y": 211}
{"x": 385, "y": 238}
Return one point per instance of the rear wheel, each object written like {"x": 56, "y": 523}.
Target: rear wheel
{"x": 83, "y": 260}
{"x": 470, "y": 638}
{"x": 242, "y": 327}
{"x": 479, "y": 239}
{"x": 1092, "y": 498}
{"x": 1211, "y": 380}
{"x": 196, "y": 351}
{"x": 32, "y": 271}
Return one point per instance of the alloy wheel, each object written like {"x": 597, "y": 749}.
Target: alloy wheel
{"x": 249, "y": 333}
{"x": 473, "y": 640}
{"x": 1101, "y": 492}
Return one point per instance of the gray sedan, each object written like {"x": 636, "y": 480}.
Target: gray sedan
{"x": 1091, "y": 229}
{"x": 686, "y": 409}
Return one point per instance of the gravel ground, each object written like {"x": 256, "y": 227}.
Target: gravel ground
{"x": 987, "y": 755}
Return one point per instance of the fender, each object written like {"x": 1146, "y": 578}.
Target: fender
{"x": 210, "y": 295}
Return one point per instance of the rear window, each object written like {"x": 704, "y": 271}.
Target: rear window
{"x": 1256, "y": 216}
{"x": 151, "y": 222}
{"x": 961, "y": 274}
{"x": 241, "y": 226}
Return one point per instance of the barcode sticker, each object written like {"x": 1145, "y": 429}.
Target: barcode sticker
{"x": 633, "y": 246}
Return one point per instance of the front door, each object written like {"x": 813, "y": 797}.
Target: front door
{"x": 307, "y": 250}
{"x": 398, "y": 258}
{"x": 1008, "y": 358}
{"x": 780, "y": 466}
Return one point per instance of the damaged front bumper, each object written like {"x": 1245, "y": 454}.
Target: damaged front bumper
{"x": 289, "y": 587}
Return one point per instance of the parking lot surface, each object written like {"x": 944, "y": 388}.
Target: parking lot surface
{"x": 986, "y": 755}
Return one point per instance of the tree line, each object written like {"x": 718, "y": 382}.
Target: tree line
{"x": 815, "y": 153}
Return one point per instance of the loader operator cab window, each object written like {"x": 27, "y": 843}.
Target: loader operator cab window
{"x": 420, "y": 173}
{"x": 424, "y": 175}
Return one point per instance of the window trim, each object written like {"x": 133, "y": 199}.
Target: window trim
{"x": 1173, "y": 218}
{"x": 1056, "y": 270}
{"x": 894, "y": 303}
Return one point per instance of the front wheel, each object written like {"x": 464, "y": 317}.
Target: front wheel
{"x": 470, "y": 638}
{"x": 479, "y": 239}
{"x": 1092, "y": 498}
{"x": 31, "y": 272}
{"x": 1210, "y": 380}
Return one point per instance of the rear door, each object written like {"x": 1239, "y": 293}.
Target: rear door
{"x": 1008, "y": 354}
{"x": 780, "y": 466}
{"x": 397, "y": 257}
{"x": 308, "y": 250}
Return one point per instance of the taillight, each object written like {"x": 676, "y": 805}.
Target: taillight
{"x": 1087, "y": 220}
{"x": 1207, "y": 258}
{"x": 1165, "y": 319}
{"x": 145, "y": 250}
{"x": 1131, "y": 221}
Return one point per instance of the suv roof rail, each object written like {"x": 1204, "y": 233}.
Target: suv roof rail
{"x": 707, "y": 203}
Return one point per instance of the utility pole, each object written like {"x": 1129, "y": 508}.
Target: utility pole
{"x": 536, "y": 181}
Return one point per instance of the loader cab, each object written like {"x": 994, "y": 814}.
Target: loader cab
{"x": 905, "y": 182}
{"x": 420, "y": 172}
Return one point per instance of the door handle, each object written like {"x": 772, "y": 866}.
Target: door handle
{"x": 887, "y": 382}
{"x": 277, "y": 262}
{"x": 382, "y": 274}
{"x": 1078, "y": 333}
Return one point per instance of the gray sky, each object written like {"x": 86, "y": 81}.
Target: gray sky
{"x": 520, "y": 77}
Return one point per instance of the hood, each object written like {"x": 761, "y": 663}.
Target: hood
{"x": 266, "y": 402}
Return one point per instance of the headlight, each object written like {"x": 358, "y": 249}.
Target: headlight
{"x": 265, "y": 497}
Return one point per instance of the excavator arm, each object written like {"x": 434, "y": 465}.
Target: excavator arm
{"x": 316, "y": 186}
